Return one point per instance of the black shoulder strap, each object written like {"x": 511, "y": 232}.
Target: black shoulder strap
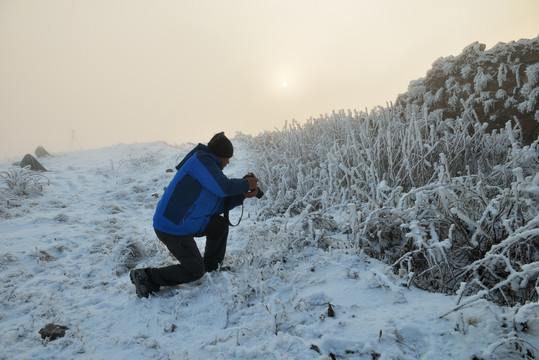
{"x": 227, "y": 211}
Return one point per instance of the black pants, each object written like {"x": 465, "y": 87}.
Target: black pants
{"x": 192, "y": 265}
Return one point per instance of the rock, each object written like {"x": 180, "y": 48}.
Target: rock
{"x": 53, "y": 332}
{"x": 331, "y": 312}
{"x": 41, "y": 152}
{"x": 31, "y": 161}
{"x": 316, "y": 348}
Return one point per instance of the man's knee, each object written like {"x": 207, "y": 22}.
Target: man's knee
{"x": 197, "y": 271}
{"x": 200, "y": 273}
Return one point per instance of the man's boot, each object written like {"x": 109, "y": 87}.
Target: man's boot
{"x": 141, "y": 281}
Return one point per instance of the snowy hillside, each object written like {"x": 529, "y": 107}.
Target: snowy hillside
{"x": 299, "y": 288}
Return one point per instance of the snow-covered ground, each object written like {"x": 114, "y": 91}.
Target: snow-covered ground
{"x": 65, "y": 257}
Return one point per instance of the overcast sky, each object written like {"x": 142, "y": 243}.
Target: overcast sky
{"x": 83, "y": 74}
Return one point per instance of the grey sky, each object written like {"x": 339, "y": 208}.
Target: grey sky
{"x": 112, "y": 71}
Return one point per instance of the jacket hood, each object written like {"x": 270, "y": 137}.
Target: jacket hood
{"x": 199, "y": 147}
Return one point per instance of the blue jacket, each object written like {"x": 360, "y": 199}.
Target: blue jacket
{"x": 197, "y": 191}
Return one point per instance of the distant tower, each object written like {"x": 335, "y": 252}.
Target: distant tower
{"x": 73, "y": 141}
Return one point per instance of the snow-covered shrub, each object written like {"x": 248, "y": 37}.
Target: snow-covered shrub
{"x": 515, "y": 69}
{"x": 502, "y": 74}
{"x": 466, "y": 71}
{"x": 501, "y": 94}
{"x": 508, "y": 240}
{"x": 355, "y": 157}
{"x": 532, "y": 73}
{"x": 448, "y": 200}
{"x": 499, "y": 83}
{"x": 467, "y": 229}
{"x": 532, "y": 96}
{"x": 438, "y": 199}
{"x": 127, "y": 253}
{"x": 19, "y": 182}
{"x": 481, "y": 80}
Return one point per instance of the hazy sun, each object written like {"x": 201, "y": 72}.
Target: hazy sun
{"x": 285, "y": 84}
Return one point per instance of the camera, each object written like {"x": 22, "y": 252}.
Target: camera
{"x": 260, "y": 192}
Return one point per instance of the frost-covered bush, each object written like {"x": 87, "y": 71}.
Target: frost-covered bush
{"x": 507, "y": 237}
{"x": 477, "y": 230}
{"x": 356, "y": 157}
{"x": 19, "y": 182}
{"x": 441, "y": 200}
{"x": 500, "y": 84}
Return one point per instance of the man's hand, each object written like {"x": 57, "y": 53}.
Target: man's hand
{"x": 253, "y": 183}
{"x": 250, "y": 194}
{"x": 253, "y": 187}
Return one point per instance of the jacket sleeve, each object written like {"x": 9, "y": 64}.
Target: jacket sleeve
{"x": 236, "y": 200}
{"x": 211, "y": 177}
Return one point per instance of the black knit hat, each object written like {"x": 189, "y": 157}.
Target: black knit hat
{"x": 221, "y": 146}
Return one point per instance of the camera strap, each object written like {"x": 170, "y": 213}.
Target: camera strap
{"x": 227, "y": 211}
